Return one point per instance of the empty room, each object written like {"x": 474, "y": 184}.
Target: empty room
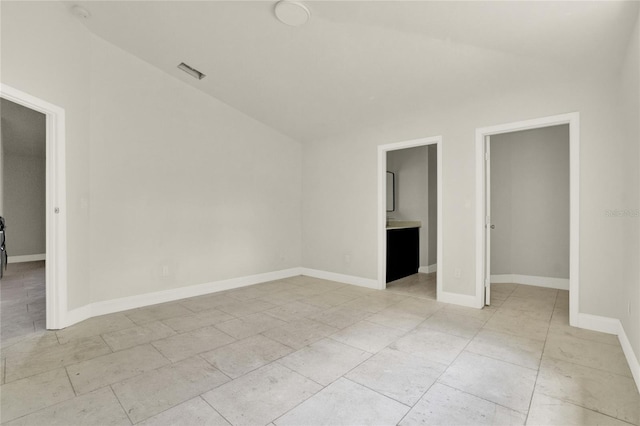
{"x": 319, "y": 213}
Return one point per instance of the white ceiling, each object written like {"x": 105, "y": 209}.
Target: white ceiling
{"x": 23, "y": 130}
{"x": 356, "y": 63}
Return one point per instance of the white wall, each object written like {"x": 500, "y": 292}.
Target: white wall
{"x": 410, "y": 166}
{"x": 24, "y": 196}
{"x": 530, "y": 202}
{"x": 180, "y": 179}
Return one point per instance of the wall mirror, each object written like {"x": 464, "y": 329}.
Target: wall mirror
{"x": 391, "y": 192}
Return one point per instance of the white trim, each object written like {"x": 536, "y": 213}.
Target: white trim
{"x": 27, "y": 258}
{"x": 382, "y": 213}
{"x": 428, "y": 269}
{"x": 549, "y": 282}
{"x": 347, "y": 279}
{"x": 146, "y": 299}
{"x": 56, "y": 224}
{"x": 613, "y": 326}
{"x": 457, "y": 299}
{"x": 573, "y": 119}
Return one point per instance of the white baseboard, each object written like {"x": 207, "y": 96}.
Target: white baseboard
{"x": 138, "y": 301}
{"x": 458, "y": 299}
{"x": 27, "y": 258}
{"x": 613, "y": 326}
{"x": 549, "y": 282}
{"x": 347, "y": 279}
{"x": 428, "y": 269}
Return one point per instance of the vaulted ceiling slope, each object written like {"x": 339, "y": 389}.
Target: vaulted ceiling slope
{"x": 358, "y": 62}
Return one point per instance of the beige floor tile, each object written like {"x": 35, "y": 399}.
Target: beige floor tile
{"x": 198, "y": 320}
{"x": 590, "y": 354}
{"x": 421, "y": 307}
{"x": 564, "y": 329}
{"x": 330, "y": 299}
{"x": 100, "y": 407}
{"x": 368, "y": 336}
{"x": 94, "y": 326}
{"x": 105, "y": 370}
{"x": 157, "y": 312}
{"x": 375, "y": 302}
{"x": 54, "y": 357}
{"x": 483, "y": 314}
{"x": 340, "y": 317}
{"x": 450, "y": 323}
{"x": 518, "y": 350}
{"x": 246, "y": 355}
{"x": 443, "y": 405}
{"x": 185, "y": 345}
{"x": 351, "y": 404}
{"x": 244, "y": 308}
{"x": 431, "y": 345}
{"x": 528, "y": 304}
{"x": 398, "y": 375}
{"x": 248, "y": 293}
{"x": 314, "y": 283}
{"x": 282, "y": 297}
{"x": 292, "y": 311}
{"x": 551, "y": 411}
{"x": 155, "y": 391}
{"x": 243, "y": 401}
{"x": 396, "y": 319}
{"x": 497, "y": 381}
{"x": 207, "y": 302}
{"x": 253, "y": 324}
{"x": 534, "y": 292}
{"x": 325, "y": 360}
{"x": 194, "y": 412}
{"x": 298, "y": 334}
{"x": 598, "y": 390}
{"x": 519, "y": 325}
{"x": 30, "y": 344}
{"x": 138, "y": 335}
{"x": 34, "y": 393}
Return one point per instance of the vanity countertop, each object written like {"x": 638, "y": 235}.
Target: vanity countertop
{"x": 402, "y": 224}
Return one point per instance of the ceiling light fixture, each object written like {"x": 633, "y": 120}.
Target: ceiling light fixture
{"x": 292, "y": 12}
{"x": 191, "y": 71}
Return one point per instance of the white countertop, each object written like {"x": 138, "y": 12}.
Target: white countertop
{"x": 402, "y": 224}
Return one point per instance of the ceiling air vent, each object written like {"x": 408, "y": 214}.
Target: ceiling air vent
{"x": 191, "y": 71}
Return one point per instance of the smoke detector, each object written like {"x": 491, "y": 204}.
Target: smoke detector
{"x": 80, "y": 12}
{"x": 292, "y": 13}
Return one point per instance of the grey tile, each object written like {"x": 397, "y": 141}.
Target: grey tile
{"x": 298, "y": 334}
{"x": 534, "y": 292}
{"x": 198, "y": 320}
{"x": 368, "y": 336}
{"x": 138, "y": 335}
{"x": 246, "y": 355}
{"x": 182, "y": 346}
{"x": 194, "y": 412}
{"x": 483, "y": 314}
{"x": 431, "y": 345}
{"x": 250, "y": 325}
{"x": 34, "y": 393}
{"x": 293, "y": 311}
{"x": 420, "y": 307}
{"x": 330, "y": 299}
{"x": 155, "y": 391}
{"x": 518, "y": 350}
{"x": 443, "y": 405}
{"x": 451, "y": 323}
{"x": 398, "y": 375}
{"x": 597, "y": 390}
{"x": 55, "y": 357}
{"x": 520, "y": 325}
{"x": 564, "y": 329}
{"x": 551, "y": 411}
{"x": 281, "y": 297}
{"x": 340, "y": 317}
{"x": 96, "y": 408}
{"x": 30, "y": 344}
{"x": 325, "y": 360}
{"x": 157, "y": 312}
{"x": 375, "y": 302}
{"x": 207, "y": 302}
{"x": 396, "y": 319}
{"x": 345, "y": 403}
{"x": 496, "y": 381}
{"x": 112, "y": 368}
{"x": 94, "y": 326}
{"x": 241, "y": 309}
{"x": 243, "y": 401}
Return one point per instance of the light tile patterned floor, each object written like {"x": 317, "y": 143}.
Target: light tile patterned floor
{"x": 304, "y": 351}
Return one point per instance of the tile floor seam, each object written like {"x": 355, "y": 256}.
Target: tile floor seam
{"x": 588, "y": 366}
{"x": 73, "y": 388}
{"x": 483, "y": 398}
{"x": 615, "y": 345}
{"x": 501, "y": 360}
{"x": 225, "y": 374}
{"x": 213, "y": 408}
{"x": 120, "y": 402}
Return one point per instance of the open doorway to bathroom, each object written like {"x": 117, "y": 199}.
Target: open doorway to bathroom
{"x": 410, "y": 228}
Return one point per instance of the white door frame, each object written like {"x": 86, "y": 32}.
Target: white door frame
{"x": 56, "y": 216}
{"x": 573, "y": 120}
{"x": 382, "y": 210}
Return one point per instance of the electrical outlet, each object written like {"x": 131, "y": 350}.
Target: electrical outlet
{"x": 457, "y": 273}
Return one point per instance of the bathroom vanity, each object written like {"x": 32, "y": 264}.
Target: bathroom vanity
{"x": 403, "y": 249}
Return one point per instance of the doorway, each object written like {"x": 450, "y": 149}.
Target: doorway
{"x": 484, "y": 221}
{"x": 420, "y": 214}
{"x": 54, "y": 269}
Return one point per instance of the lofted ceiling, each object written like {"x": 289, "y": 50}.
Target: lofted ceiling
{"x": 356, "y": 63}
{"x": 23, "y": 130}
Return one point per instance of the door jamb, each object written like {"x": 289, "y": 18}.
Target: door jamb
{"x": 382, "y": 213}
{"x": 56, "y": 216}
{"x": 573, "y": 120}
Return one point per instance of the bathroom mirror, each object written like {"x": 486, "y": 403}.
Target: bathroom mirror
{"x": 391, "y": 192}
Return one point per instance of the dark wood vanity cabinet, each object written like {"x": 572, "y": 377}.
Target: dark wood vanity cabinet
{"x": 403, "y": 252}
